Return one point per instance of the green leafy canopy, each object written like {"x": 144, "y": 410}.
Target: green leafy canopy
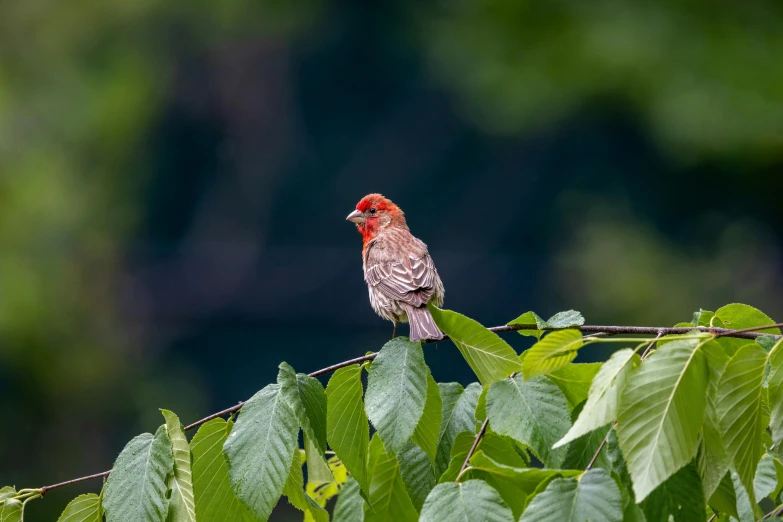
{"x": 691, "y": 428}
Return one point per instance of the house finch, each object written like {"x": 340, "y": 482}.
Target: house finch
{"x": 399, "y": 272}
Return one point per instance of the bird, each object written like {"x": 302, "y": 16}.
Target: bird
{"x": 399, "y": 272}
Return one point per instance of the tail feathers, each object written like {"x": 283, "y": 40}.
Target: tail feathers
{"x": 422, "y": 324}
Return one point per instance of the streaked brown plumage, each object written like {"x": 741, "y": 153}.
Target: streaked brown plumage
{"x": 399, "y": 271}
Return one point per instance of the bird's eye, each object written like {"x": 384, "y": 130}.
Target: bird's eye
{"x": 372, "y": 210}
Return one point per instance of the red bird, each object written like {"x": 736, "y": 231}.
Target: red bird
{"x": 399, "y": 272}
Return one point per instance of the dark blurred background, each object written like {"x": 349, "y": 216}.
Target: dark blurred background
{"x": 174, "y": 179}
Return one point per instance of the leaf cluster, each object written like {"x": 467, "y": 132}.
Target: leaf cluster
{"x": 681, "y": 427}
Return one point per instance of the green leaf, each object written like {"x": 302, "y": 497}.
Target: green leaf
{"x": 428, "y": 429}
{"x": 581, "y": 451}
{"x": 767, "y": 342}
{"x": 11, "y": 510}
{"x": 633, "y": 513}
{"x": 567, "y": 319}
{"x": 766, "y": 479}
{"x": 574, "y": 380}
{"x": 540, "y": 488}
{"x": 490, "y": 357}
{"x": 317, "y": 469}
{"x": 534, "y": 323}
{"x": 346, "y": 423}
{"x": 459, "y": 414}
{"x": 136, "y": 487}
{"x": 396, "y": 391}
{"x": 389, "y": 500}
{"x": 84, "y": 508}
{"x": 321, "y": 493}
{"x": 602, "y": 401}
{"x": 481, "y": 405}
{"x": 182, "y": 507}
{"x": 775, "y": 387}
{"x": 527, "y": 479}
{"x": 259, "y": 450}
{"x": 470, "y": 501}
{"x": 713, "y": 461}
{"x": 454, "y": 467}
{"x": 512, "y": 495}
{"x": 464, "y": 441}
{"x": 702, "y": 317}
{"x": 595, "y": 497}
{"x": 739, "y": 405}
{"x": 680, "y": 496}
{"x": 551, "y": 353}
{"x": 512, "y": 479}
{"x": 417, "y": 473}
{"x": 533, "y": 412}
{"x": 738, "y": 316}
{"x": 294, "y": 491}
{"x": 661, "y": 414}
{"x": 501, "y": 449}
{"x": 724, "y": 498}
{"x": 350, "y": 504}
{"x": 306, "y": 398}
{"x": 779, "y": 473}
{"x": 215, "y": 500}
{"x": 7, "y": 492}
{"x": 617, "y": 461}
{"x": 747, "y": 509}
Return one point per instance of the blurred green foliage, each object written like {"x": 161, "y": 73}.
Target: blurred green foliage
{"x": 706, "y": 77}
{"x": 617, "y": 265}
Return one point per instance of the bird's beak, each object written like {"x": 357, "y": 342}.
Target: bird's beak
{"x": 355, "y": 217}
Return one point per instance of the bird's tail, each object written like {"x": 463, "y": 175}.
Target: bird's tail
{"x": 422, "y": 324}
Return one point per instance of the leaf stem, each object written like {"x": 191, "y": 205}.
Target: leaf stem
{"x": 476, "y": 441}
{"x": 647, "y": 350}
{"x": 600, "y": 448}
{"x": 775, "y": 512}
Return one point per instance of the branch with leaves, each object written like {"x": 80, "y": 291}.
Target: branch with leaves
{"x": 684, "y": 421}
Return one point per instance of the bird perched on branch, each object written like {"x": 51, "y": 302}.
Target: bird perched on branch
{"x": 399, "y": 271}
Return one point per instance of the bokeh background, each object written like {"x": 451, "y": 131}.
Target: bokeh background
{"x": 174, "y": 179}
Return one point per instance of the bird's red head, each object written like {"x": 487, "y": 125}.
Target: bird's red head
{"x": 373, "y": 214}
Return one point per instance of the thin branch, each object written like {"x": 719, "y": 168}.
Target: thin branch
{"x": 747, "y": 333}
{"x": 476, "y": 441}
{"x": 647, "y": 350}
{"x": 238, "y": 406}
{"x": 232, "y": 409}
{"x": 733, "y": 333}
{"x": 368, "y": 357}
{"x": 600, "y": 448}
{"x": 775, "y": 512}
{"x": 597, "y": 452}
{"x": 73, "y": 481}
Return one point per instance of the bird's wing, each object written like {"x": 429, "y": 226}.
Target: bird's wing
{"x": 409, "y": 279}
